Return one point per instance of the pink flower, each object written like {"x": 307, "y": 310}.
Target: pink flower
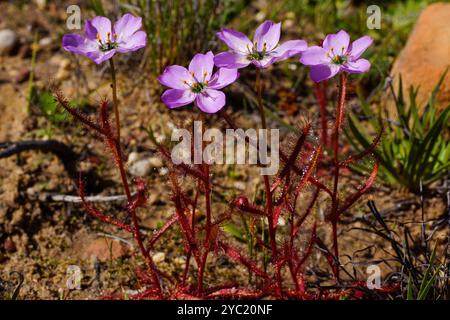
{"x": 262, "y": 52}
{"x": 101, "y": 40}
{"x": 198, "y": 84}
{"x": 336, "y": 55}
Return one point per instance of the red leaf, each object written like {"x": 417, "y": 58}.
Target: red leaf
{"x": 293, "y": 156}
{"x": 236, "y": 256}
{"x": 353, "y": 198}
{"x": 236, "y": 293}
{"x": 308, "y": 173}
{"x": 364, "y": 153}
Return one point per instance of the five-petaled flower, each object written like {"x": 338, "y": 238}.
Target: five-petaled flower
{"x": 336, "y": 55}
{"x": 101, "y": 40}
{"x": 197, "y": 84}
{"x": 262, "y": 52}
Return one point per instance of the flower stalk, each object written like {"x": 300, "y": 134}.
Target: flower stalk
{"x": 114, "y": 95}
{"x": 335, "y": 197}
{"x": 320, "y": 92}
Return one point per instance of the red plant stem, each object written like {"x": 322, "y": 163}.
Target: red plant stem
{"x": 283, "y": 157}
{"x": 115, "y": 100}
{"x": 290, "y": 252}
{"x": 132, "y": 211}
{"x": 319, "y": 91}
{"x": 269, "y": 204}
{"x": 75, "y": 113}
{"x": 206, "y": 248}
{"x": 201, "y": 272}
{"x": 207, "y": 196}
{"x": 189, "y": 254}
{"x": 186, "y": 267}
{"x": 123, "y": 176}
{"x": 335, "y": 196}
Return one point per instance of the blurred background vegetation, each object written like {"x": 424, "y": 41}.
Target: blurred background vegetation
{"x": 179, "y": 28}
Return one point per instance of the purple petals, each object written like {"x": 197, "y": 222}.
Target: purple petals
{"x": 77, "y": 44}
{"x": 323, "y": 72}
{"x": 210, "y": 101}
{"x": 231, "y": 60}
{"x": 202, "y": 66}
{"x": 134, "y": 42}
{"x": 101, "y": 25}
{"x": 222, "y": 78}
{"x": 90, "y": 32}
{"x": 338, "y": 42}
{"x": 267, "y": 36}
{"x": 174, "y": 98}
{"x": 176, "y": 77}
{"x": 289, "y": 49}
{"x": 358, "y": 66}
{"x": 100, "y": 41}
{"x": 262, "y": 52}
{"x": 198, "y": 83}
{"x": 126, "y": 26}
{"x": 235, "y": 40}
{"x": 336, "y": 55}
{"x": 314, "y": 56}
{"x": 99, "y": 57}
{"x": 358, "y": 46}
{"x": 264, "y": 62}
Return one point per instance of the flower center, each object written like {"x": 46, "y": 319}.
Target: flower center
{"x": 107, "y": 45}
{"x": 254, "y": 54}
{"x": 198, "y": 86}
{"x": 338, "y": 59}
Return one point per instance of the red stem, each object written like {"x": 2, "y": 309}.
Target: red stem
{"x": 115, "y": 100}
{"x": 132, "y": 211}
{"x": 269, "y": 204}
{"x": 319, "y": 91}
{"x": 114, "y": 144}
{"x": 189, "y": 254}
{"x": 335, "y": 196}
{"x": 206, "y": 248}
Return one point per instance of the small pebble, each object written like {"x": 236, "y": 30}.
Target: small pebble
{"x": 159, "y": 257}
{"x": 239, "y": 185}
{"x": 143, "y": 167}
{"x": 132, "y": 158}
{"x": 8, "y": 40}
{"x": 41, "y": 4}
{"x": 44, "y": 42}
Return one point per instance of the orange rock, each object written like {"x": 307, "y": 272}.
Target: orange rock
{"x": 426, "y": 56}
{"x": 105, "y": 249}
